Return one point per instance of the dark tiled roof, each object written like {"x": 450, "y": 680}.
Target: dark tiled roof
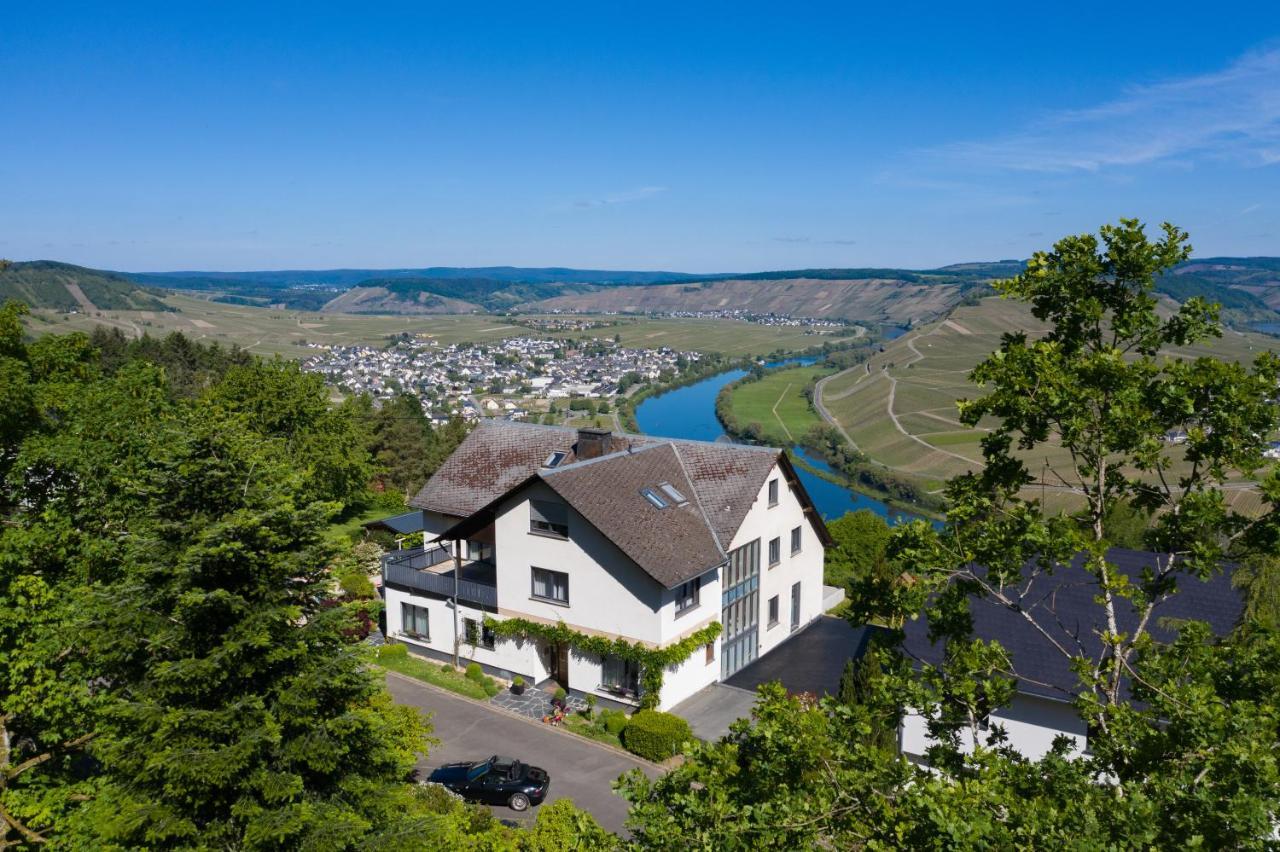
{"x": 673, "y": 544}
{"x": 409, "y": 522}
{"x": 1064, "y": 604}
{"x": 499, "y": 455}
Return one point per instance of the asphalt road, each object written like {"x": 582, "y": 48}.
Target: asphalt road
{"x": 580, "y": 769}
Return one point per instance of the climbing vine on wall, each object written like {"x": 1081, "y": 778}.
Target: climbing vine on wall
{"x": 652, "y": 661}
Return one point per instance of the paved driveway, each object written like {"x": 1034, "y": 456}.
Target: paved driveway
{"x": 711, "y": 710}
{"x": 810, "y": 661}
{"x": 580, "y": 769}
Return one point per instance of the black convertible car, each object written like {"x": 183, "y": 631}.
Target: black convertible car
{"x": 496, "y": 781}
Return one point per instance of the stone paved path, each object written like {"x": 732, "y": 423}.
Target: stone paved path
{"x": 535, "y": 703}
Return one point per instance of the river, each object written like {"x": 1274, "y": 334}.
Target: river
{"x": 690, "y": 412}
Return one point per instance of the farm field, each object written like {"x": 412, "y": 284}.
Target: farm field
{"x": 899, "y": 407}
{"x": 777, "y": 402}
{"x": 269, "y": 331}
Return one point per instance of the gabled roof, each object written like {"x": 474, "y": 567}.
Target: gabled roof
{"x": 499, "y": 455}
{"x": 1064, "y": 604}
{"x": 672, "y": 544}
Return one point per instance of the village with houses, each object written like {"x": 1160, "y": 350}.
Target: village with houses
{"x": 511, "y": 379}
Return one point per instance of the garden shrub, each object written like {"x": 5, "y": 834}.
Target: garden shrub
{"x": 491, "y": 687}
{"x": 655, "y": 735}
{"x": 613, "y": 721}
{"x": 474, "y": 672}
{"x": 393, "y": 652}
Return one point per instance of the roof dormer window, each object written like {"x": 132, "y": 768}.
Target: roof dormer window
{"x": 653, "y": 497}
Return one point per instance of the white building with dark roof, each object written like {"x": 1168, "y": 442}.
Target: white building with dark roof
{"x": 633, "y": 538}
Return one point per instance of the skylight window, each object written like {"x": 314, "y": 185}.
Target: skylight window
{"x": 554, "y": 459}
{"x": 671, "y": 491}
{"x": 653, "y": 497}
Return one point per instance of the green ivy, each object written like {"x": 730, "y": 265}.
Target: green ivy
{"x": 652, "y": 661}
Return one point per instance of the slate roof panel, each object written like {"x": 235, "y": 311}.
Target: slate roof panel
{"x": 671, "y": 544}
{"x": 1064, "y": 603}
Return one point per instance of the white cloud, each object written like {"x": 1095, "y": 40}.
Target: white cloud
{"x": 1231, "y": 114}
{"x": 621, "y": 197}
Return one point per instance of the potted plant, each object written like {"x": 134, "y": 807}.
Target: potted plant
{"x": 517, "y": 686}
{"x": 558, "y": 700}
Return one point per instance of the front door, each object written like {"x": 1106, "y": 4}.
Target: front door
{"x": 558, "y": 663}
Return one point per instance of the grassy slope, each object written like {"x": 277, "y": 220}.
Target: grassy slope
{"x": 778, "y": 404}
{"x": 44, "y": 284}
{"x": 937, "y": 446}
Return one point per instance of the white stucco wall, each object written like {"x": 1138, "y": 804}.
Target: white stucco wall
{"x": 695, "y": 673}
{"x": 508, "y": 657}
{"x": 765, "y": 523}
{"x": 1031, "y": 722}
{"x": 608, "y": 593}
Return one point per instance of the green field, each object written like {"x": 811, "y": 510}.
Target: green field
{"x": 267, "y": 331}
{"x": 899, "y": 407}
{"x": 777, "y": 402}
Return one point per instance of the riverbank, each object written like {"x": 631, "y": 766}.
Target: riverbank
{"x": 689, "y": 412}
{"x": 791, "y": 390}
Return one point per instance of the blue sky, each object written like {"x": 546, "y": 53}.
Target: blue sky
{"x": 698, "y": 137}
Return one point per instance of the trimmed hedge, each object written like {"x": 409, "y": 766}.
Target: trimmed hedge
{"x": 656, "y": 735}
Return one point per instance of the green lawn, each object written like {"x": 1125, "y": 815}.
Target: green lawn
{"x": 433, "y": 673}
{"x": 777, "y": 402}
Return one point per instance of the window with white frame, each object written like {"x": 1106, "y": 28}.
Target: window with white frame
{"x": 775, "y": 551}
{"x": 773, "y": 493}
{"x": 773, "y": 610}
{"x": 619, "y": 675}
{"x": 551, "y": 585}
{"x": 478, "y": 634}
{"x": 547, "y": 518}
{"x": 415, "y": 621}
{"x": 795, "y": 541}
{"x": 687, "y": 595}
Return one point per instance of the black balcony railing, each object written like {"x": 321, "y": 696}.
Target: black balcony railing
{"x": 407, "y": 569}
{"x": 418, "y": 558}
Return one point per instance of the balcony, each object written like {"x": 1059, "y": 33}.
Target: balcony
{"x": 431, "y": 571}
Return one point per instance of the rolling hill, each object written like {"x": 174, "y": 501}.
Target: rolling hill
{"x": 63, "y": 287}
{"x": 887, "y": 300}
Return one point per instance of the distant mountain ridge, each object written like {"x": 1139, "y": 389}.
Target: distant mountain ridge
{"x": 1247, "y": 288}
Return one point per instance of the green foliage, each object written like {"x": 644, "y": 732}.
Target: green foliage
{"x": 392, "y": 652}
{"x": 652, "y": 661}
{"x": 561, "y": 827}
{"x": 474, "y": 672}
{"x": 407, "y": 448}
{"x": 860, "y": 541}
{"x": 1259, "y": 577}
{"x": 613, "y": 721}
{"x": 560, "y": 694}
{"x": 655, "y": 735}
{"x": 517, "y": 681}
{"x": 190, "y": 367}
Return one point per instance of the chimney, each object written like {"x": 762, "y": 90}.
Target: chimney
{"x": 593, "y": 442}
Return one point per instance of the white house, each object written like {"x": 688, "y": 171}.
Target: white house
{"x": 1067, "y": 616}
{"x": 643, "y": 539}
